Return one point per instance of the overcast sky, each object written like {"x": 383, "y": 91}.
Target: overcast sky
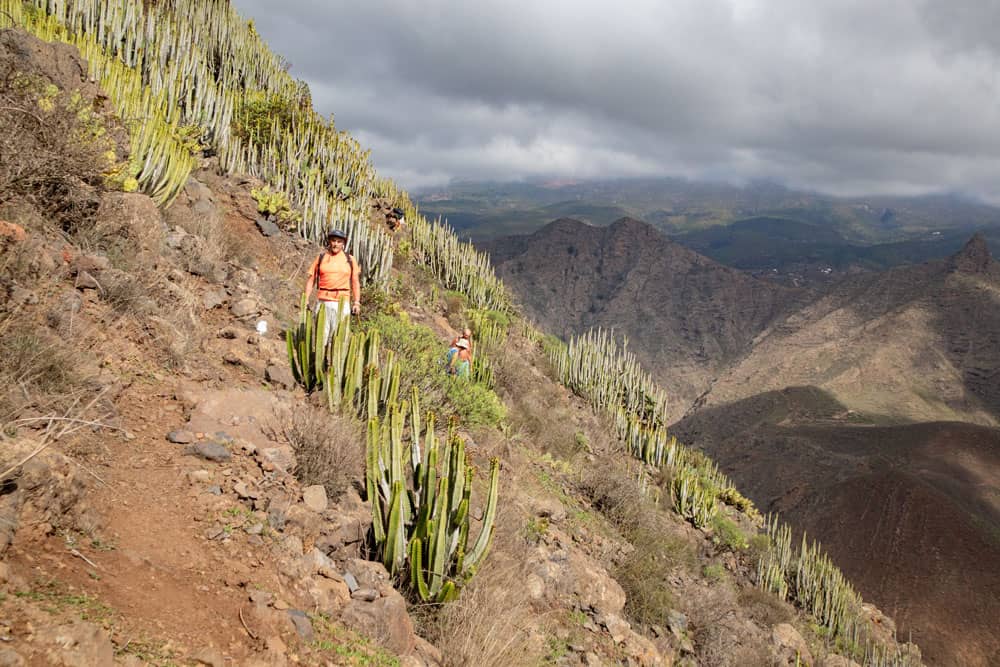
{"x": 842, "y": 96}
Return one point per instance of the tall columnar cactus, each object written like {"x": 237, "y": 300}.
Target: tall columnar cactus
{"x": 421, "y": 504}
{"x": 606, "y": 374}
{"x": 458, "y": 265}
{"x": 810, "y": 579}
{"x": 693, "y": 498}
{"x": 349, "y": 368}
{"x": 306, "y": 352}
{"x": 168, "y": 66}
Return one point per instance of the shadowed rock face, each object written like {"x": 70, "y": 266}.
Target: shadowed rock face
{"x": 685, "y": 316}
{"x": 910, "y": 513}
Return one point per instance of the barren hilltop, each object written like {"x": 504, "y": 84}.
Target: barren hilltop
{"x": 189, "y": 476}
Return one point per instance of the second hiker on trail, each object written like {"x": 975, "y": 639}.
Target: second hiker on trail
{"x": 335, "y": 277}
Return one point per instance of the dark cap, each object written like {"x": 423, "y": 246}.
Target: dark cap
{"x": 398, "y": 212}
{"x": 336, "y": 234}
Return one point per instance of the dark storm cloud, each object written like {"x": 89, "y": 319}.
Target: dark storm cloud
{"x": 846, "y": 96}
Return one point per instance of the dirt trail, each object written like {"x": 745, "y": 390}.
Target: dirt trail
{"x": 166, "y": 583}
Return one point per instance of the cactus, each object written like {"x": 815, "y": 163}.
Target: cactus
{"x": 182, "y": 75}
{"x": 348, "y": 368}
{"x": 693, "y": 498}
{"x": 305, "y": 349}
{"x": 421, "y": 511}
{"x": 458, "y": 265}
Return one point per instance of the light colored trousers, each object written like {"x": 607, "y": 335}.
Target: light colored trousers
{"x": 335, "y": 311}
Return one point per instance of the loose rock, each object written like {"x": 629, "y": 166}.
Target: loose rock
{"x": 211, "y": 451}
{"x": 791, "y": 644}
{"x": 209, "y": 656}
{"x": 181, "y": 437}
{"x": 280, "y": 376}
{"x": 267, "y": 228}
{"x": 365, "y": 594}
{"x": 10, "y": 658}
{"x": 315, "y": 497}
{"x": 302, "y": 624}
{"x": 85, "y": 281}
{"x": 244, "y": 308}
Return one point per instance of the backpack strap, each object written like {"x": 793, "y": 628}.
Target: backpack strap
{"x": 350, "y": 284}
{"x": 319, "y": 263}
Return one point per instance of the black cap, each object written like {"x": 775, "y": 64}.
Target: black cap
{"x": 336, "y": 234}
{"x": 398, "y": 212}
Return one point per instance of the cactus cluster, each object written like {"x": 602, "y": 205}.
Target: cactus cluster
{"x": 420, "y": 490}
{"x": 489, "y": 327}
{"x": 810, "y": 579}
{"x": 420, "y": 493}
{"x": 693, "y": 498}
{"x": 459, "y": 266}
{"x": 275, "y": 204}
{"x": 611, "y": 378}
{"x": 605, "y": 373}
{"x": 350, "y": 368}
{"x": 178, "y": 69}
{"x": 346, "y": 368}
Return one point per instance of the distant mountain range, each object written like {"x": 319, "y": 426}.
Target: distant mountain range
{"x": 791, "y": 237}
{"x": 864, "y": 410}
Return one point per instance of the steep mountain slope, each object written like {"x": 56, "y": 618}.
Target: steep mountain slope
{"x": 922, "y": 497}
{"x": 686, "y": 317}
{"x": 914, "y": 343}
{"x": 169, "y": 493}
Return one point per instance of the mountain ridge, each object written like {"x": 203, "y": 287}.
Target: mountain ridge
{"x": 697, "y": 314}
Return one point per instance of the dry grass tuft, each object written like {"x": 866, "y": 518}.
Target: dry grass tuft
{"x": 659, "y": 551}
{"x": 765, "y": 608}
{"x": 39, "y": 371}
{"x": 53, "y": 150}
{"x": 329, "y": 449}
{"x": 492, "y": 624}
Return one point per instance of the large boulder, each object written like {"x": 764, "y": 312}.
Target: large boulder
{"x": 570, "y": 577}
{"x": 792, "y": 648}
{"x": 136, "y": 219}
{"x": 384, "y": 620}
{"x": 81, "y": 645}
{"x": 195, "y": 210}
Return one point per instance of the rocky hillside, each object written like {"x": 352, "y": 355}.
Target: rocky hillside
{"x": 914, "y": 343}
{"x": 687, "y": 317}
{"x": 170, "y": 494}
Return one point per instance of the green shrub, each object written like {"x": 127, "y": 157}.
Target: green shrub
{"x": 758, "y": 546}
{"x": 275, "y": 204}
{"x": 644, "y": 573}
{"x": 421, "y": 357}
{"x": 263, "y": 116}
{"x": 53, "y": 148}
{"x": 714, "y": 572}
{"x": 727, "y": 534}
{"x": 475, "y": 404}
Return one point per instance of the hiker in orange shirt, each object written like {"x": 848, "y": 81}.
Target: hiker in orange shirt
{"x": 335, "y": 276}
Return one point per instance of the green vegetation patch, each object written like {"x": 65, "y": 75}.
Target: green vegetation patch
{"x": 727, "y": 534}
{"x": 349, "y": 647}
{"x": 421, "y": 356}
{"x": 57, "y": 598}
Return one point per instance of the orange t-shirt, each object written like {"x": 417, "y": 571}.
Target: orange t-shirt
{"x": 335, "y": 277}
